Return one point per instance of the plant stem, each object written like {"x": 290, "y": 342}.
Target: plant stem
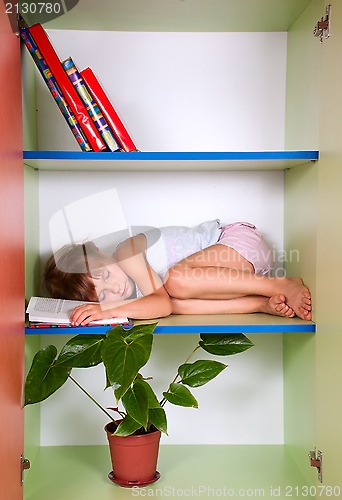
{"x": 163, "y": 401}
{"x": 90, "y": 397}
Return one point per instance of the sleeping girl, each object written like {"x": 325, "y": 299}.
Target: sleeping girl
{"x": 207, "y": 269}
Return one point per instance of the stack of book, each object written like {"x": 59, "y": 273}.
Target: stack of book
{"x": 80, "y": 97}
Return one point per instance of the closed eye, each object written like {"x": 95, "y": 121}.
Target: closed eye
{"x": 105, "y": 274}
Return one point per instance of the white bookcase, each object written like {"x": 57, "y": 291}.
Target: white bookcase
{"x": 228, "y": 119}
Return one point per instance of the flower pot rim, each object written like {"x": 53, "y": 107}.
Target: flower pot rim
{"x": 135, "y": 436}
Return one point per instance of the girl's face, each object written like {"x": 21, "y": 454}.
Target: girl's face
{"x": 113, "y": 284}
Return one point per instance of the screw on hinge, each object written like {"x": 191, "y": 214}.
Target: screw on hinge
{"x": 316, "y": 460}
{"x": 322, "y": 27}
{"x": 25, "y": 465}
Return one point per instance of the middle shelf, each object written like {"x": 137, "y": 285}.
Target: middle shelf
{"x": 194, "y": 324}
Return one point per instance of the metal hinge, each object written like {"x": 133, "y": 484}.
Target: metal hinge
{"x": 25, "y": 465}
{"x": 316, "y": 460}
{"x": 322, "y": 28}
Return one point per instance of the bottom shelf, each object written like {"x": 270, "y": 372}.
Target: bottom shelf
{"x": 80, "y": 472}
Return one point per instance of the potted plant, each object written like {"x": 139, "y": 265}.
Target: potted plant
{"x": 134, "y": 434}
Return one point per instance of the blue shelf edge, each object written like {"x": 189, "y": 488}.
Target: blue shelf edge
{"x": 189, "y": 329}
{"x": 178, "y": 329}
{"x": 171, "y": 155}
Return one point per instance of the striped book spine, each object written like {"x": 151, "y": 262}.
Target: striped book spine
{"x": 108, "y": 110}
{"x": 90, "y": 104}
{"x": 52, "y": 60}
{"x": 54, "y": 89}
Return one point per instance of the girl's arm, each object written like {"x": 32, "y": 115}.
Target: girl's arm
{"x": 155, "y": 302}
{"x": 155, "y": 305}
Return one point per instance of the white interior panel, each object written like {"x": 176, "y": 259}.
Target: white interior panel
{"x": 246, "y": 402}
{"x": 179, "y": 91}
{"x": 243, "y": 405}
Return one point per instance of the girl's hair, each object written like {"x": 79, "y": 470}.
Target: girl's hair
{"x": 69, "y": 273}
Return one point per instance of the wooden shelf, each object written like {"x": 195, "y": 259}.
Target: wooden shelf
{"x": 232, "y": 323}
{"x": 65, "y": 472}
{"x": 182, "y": 161}
{"x": 195, "y": 324}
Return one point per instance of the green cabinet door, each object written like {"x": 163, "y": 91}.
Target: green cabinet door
{"x": 329, "y": 252}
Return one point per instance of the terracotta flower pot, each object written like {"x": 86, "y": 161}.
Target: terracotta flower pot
{"x": 134, "y": 458}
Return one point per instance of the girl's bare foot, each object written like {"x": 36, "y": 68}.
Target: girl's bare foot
{"x": 277, "y": 306}
{"x": 298, "y": 297}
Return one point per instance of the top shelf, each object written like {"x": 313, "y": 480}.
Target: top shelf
{"x": 149, "y": 15}
{"x": 182, "y": 161}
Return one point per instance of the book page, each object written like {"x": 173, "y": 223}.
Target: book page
{"x": 57, "y": 311}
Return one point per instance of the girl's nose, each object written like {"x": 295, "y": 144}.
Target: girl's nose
{"x": 117, "y": 289}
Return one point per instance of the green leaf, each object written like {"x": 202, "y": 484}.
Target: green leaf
{"x": 124, "y": 353}
{"x": 225, "y": 344}
{"x": 156, "y": 414}
{"x": 180, "y": 395}
{"x": 135, "y": 401}
{"x": 44, "y": 377}
{"x": 139, "y": 330}
{"x": 82, "y": 351}
{"x": 152, "y": 398}
{"x": 157, "y": 417}
{"x": 200, "y": 372}
{"x": 127, "y": 427}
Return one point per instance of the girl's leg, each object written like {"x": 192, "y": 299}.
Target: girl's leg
{"x": 210, "y": 274}
{"x": 274, "y": 305}
{"x": 218, "y": 256}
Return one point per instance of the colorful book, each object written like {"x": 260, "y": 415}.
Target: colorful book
{"x": 108, "y": 110}
{"x": 54, "y": 89}
{"x": 74, "y": 101}
{"x": 36, "y": 326}
{"x": 90, "y": 104}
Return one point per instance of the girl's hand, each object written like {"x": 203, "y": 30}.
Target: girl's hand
{"x": 87, "y": 313}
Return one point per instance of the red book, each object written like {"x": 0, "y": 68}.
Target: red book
{"x": 108, "y": 110}
{"x": 52, "y": 60}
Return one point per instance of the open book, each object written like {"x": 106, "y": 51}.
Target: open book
{"x": 57, "y": 311}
